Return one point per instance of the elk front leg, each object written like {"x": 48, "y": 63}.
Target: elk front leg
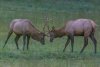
{"x": 16, "y": 40}
{"x": 28, "y": 38}
{"x": 68, "y": 40}
{"x": 72, "y": 42}
{"x": 24, "y": 40}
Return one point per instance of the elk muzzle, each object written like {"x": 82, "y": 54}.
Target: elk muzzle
{"x": 43, "y": 42}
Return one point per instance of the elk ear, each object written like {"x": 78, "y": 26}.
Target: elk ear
{"x": 53, "y": 28}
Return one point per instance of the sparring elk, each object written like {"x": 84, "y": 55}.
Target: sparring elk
{"x": 78, "y": 27}
{"x": 24, "y": 27}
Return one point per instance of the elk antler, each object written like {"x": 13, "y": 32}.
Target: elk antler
{"x": 46, "y": 25}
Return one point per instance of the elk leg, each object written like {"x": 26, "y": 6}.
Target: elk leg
{"x": 16, "y": 40}
{"x": 28, "y": 38}
{"x": 72, "y": 41}
{"x": 68, "y": 40}
{"x": 85, "y": 43}
{"x": 95, "y": 42}
{"x": 24, "y": 39}
{"x": 9, "y": 34}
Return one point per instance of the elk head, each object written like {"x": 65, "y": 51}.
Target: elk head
{"x": 40, "y": 37}
{"x": 52, "y": 34}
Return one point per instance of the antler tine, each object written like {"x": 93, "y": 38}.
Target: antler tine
{"x": 43, "y": 19}
{"x": 48, "y": 19}
{"x": 46, "y": 25}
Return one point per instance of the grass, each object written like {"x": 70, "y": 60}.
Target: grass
{"x": 51, "y": 54}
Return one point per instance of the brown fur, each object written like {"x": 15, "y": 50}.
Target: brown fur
{"x": 78, "y": 27}
{"x": 24, "y": 27}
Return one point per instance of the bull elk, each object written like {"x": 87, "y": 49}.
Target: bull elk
{"x": 24, "y": 27}
{"x": 78, "y": 27}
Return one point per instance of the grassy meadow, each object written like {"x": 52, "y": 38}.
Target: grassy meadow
{"x": 50, "y": 54}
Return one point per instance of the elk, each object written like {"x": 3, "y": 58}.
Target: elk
{"x": 78, "y": 27}
{"x": 24, "y": 27}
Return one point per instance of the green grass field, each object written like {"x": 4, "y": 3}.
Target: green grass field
{"x": 50, "y": 54}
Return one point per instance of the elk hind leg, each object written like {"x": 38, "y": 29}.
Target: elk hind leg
{"x": 9, "y": 34}
{"x": 85, "y": 43}
{"x": 95, "y": 42}
{"x": 16, "y": 40}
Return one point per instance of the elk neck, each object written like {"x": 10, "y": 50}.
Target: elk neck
{"x": 59, "y": 32}
{"x": 34, "y": 34}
